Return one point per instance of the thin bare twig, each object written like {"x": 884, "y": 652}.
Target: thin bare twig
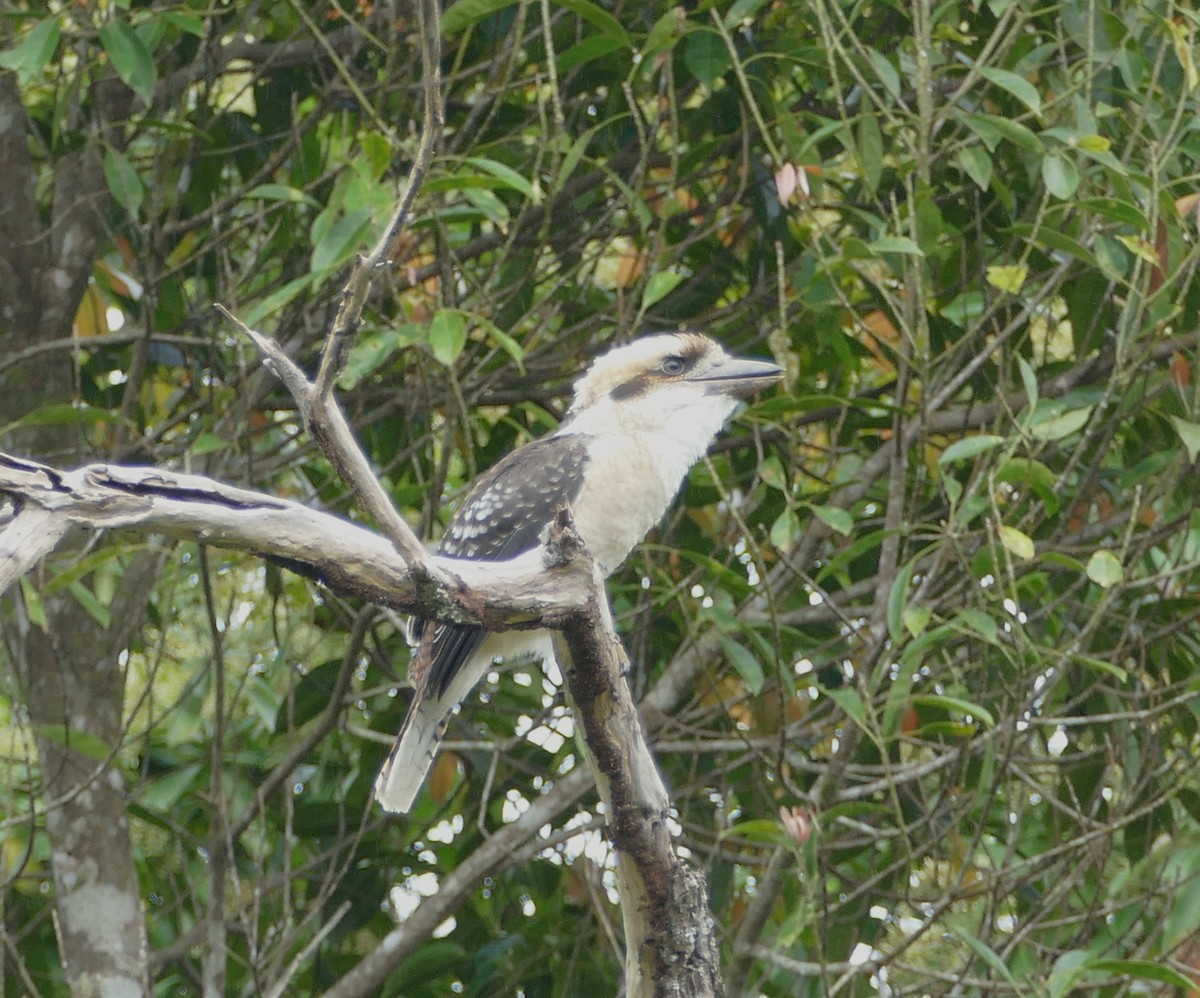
{"x": 358, "y": 286}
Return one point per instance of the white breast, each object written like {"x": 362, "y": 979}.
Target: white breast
{"x": 638, "y": 457}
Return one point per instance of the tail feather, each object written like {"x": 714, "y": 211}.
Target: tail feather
{"x": 416, "y": 746}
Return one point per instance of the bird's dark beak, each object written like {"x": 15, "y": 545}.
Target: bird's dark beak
{"x": 739, "y": 377}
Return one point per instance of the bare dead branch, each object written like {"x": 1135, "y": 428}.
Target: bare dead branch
{"x": 322, "y": 415}
{"x": 327, "y": 424}
{"x": 349, "y": 559}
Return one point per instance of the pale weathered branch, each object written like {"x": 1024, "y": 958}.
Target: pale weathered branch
{"x": 320, "y": 411}
{"x": 327, "y": 424}
{"x": 519, "y": 593}
{"x": 358, "y": 285}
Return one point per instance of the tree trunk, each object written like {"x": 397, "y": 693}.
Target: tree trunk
{"x": 68, "y": 667}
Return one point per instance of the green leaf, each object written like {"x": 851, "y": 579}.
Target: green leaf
{"x": 992, "y": 129}
{"x": 741, "y": 11}
{"x": 1016, "y": 542}
{"x": 969, "y": 447}
{"x": 885, "y": 71}
{"x": 898, "y": 599}
{"x": 1104, "y": 569}
{"x": 1100, "y": 665}
{"x": 1016, "y": 85}
{"x": 340, "y": 241}
{"x": 755, "y": 830}
{"x": 86, "y": 744}
{"x": 1048, "y": 237}
{"x": 1008, "y": 277}
{"x": 35, "y": 610}
{"x": 465, "y": 13}
{"x": 123, "y": 180}
{"x": 964, "y": 308}
{"x": 87, "y": 599}
{"x": 896, "y": 244}
{"x": 277, "y": 299}
{"x": 870, "y": 150}
{"x": 956, "y": 704}
{"x": 506, "y": 175}
{"x": 1060, "y": 175}
{"x": 785, "y": 530}
{"x": 1189, "y": 433}
{"x": 591, "y": 48}
{"x": 130, "y": 58}
{"x": 977, "y": 622}
{"x": 30, "y": 55}
{"x": 916, "y": 619}
{"x": 1111, "y": 257}
{"x": 430, "y": 961}
{"x": 659, "y": 286}
{"x": 1054, "y": 425}
{"x": 745, "y": 664}
{"x": 207, "y": 443}
{"x": 1026, "y": 473}
{"x": 834, "y": 517}
{"x": 667, "y": 30}
{"x": 976, "y": 164}
{"x": 447, "y": 335}
{"x": 82, "y": 567}
{"x": 772, "y": 473}
{"x": 488, "y": 205}
{"x": 598, "y": 17}
{"x": 63, "y": 414}
{"x": 163, "y": 793}
{"x": 1029, "y": 381}
{"x": 509, "y": 345}
{"x": 1067, "y": 970}
{"x": 188, "y": 23}
{"x": 1146, "y": 970}
{"x": 706, "y": 56}
{"x": 282, "y": 192}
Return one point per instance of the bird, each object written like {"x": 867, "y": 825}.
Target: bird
{"x": 641, "y": 415}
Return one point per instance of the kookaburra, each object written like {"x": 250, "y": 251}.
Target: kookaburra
{"x": 642, "y": 415}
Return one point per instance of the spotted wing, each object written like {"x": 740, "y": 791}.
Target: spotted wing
{"x": 503, "y": 516}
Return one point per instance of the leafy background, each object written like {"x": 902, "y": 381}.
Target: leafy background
{"x": 937, "y": 599}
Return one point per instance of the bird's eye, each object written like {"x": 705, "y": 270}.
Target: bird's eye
{"x": 673, "y": 366}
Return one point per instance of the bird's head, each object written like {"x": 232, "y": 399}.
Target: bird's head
{"x": 683, "y": 384}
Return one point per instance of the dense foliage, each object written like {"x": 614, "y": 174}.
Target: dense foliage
{"x": 937, "y": 599}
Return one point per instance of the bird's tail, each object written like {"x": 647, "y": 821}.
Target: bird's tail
{"x": 401, "y": 777}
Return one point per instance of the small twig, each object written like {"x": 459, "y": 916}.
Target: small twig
{"x": 280, "y": 987}
{"x": 358, "y": 285}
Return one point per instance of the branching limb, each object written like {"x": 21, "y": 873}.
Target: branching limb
{"x": 328, "y": 426}
{"x": 347, "y": 558}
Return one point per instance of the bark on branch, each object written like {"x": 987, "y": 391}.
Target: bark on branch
{"x": 351, "y": 560}
{"x": 670, "y": 950}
